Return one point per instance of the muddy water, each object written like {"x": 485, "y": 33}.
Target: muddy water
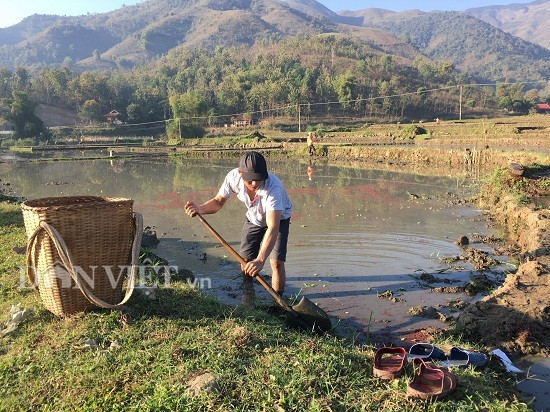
{"x": 355, "y": 234}
{"x": 536, "y": 382}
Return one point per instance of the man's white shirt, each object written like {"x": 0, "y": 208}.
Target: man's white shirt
{"x": 271, "y": 196}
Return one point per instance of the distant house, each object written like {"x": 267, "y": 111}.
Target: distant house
{"x": 241, "y": 121}
{"x": 542, "y": 108}
{"x": 112, "y": 117}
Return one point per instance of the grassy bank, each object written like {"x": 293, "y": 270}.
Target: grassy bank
{"x": 144, "y": 356}
{"x": 518, "y": 204}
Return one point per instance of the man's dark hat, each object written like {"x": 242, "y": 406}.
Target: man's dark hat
{"x": 253, "y": 166}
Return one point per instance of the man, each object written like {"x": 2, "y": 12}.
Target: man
{"x": 310, "y": 146}
{"x": 265, "y": 231}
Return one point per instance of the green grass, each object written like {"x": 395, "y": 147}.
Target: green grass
{"x": 500, "y": 184}
{"x": 259, "y": 364}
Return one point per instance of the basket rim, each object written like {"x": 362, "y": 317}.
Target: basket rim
{"x": 49, "y": 203}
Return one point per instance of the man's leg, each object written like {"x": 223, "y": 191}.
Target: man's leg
{"x": 278, "y": 277}
{"x": 278, "y": 258}
{"x": 251, "y": 238}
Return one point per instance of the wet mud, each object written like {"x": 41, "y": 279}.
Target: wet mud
{"x": 516, "y": 317}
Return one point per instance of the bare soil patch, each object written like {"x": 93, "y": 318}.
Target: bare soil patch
{"x": 516, "y": 317}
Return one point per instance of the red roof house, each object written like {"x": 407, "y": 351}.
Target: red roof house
{"x": 542, "y": 108}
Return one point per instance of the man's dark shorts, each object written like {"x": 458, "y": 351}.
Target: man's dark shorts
{"x": 252, "y": 236}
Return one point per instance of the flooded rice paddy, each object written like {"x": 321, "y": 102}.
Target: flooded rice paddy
{"x": 360, "y": 240}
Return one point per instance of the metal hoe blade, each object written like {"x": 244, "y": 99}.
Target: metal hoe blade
{"x": 312, "y": 315}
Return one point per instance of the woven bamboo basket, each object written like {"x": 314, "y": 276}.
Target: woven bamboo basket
{"x": 80, "y": 249}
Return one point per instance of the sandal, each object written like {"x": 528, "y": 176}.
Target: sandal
{"x": 389, "y": 362}
{"x": 426, "y": 352}
{"x": 429, "y": 382}
{"x": 464, "y": 358}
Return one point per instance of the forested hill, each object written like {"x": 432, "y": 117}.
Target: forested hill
{"x": 137, "y": 34}
{"x": 134, "y": 35}
{"x": 471, "y": 44}
{"x": 528, "y": 21}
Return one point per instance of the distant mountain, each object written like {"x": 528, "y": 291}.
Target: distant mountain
{"x": 140, "y": 33}
{"x": 528, "y": 21}
{"x": 133, "y": 35}
{"x": 373, "y": 16}
{"x": 27, "y": 28}
{"x": 311, "y": 7}
{"x": 471, "y": 44}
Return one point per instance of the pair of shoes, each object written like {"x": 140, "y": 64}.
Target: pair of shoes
{"x": 463, "y": 358}
{"x": 457, "y": 357}
{"x": 389, "y": 362}
{"x": 429, "y": 382}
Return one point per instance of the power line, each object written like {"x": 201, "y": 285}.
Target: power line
{"x": 310, "y": 104}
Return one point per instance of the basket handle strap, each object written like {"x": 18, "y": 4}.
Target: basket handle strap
{"x": 67, "y": 260}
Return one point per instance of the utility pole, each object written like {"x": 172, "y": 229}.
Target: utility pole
{"x": 299, "y": 119}
{"x": 460, "y": 105}
{"x": 179, "y": 126}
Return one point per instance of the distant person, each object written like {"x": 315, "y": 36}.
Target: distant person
{"x": 265, "y": 231}
{"x": 310, "y": 146}
{"x": 437, "y": 122}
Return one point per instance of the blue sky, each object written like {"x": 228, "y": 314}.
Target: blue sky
{"x": 13, "y": 12}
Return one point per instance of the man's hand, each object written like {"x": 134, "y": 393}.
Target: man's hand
{"x": 191, "y": 208}
{"x": 253, "y": 267}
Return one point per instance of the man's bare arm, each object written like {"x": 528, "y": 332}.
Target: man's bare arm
{"x": 207, "y": 208}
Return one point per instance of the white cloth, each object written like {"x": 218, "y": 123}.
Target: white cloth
{"x": 271, "y": 196}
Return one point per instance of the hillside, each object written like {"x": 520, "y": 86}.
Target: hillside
{"x": 27, "y": 28}
{"x": 527, "y": 21}
{"x": 133, "y": 35}
{"x": 469, "y": 43}
{"x": 368, "y": 17}
{"x": 312, "y": 8}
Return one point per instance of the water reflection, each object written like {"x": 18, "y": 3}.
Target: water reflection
{"x": 247, "y": 291}
{"x": 117, "y": 166}
{"x": 310, "y": 171}
{"x": 354, "y": 234}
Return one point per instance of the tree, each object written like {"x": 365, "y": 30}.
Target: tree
{"x": 520, "y": 106}
{"x": 345, "y": 88}
{"x": 22, "y": 77}
{"x": 135, "y": 113}
{"x": 26, "y": 123}
{"x": 532, "y": 96}
{"x": 93, "y": 86}
{"x": 67, "y": 62}
{"x": 90, "y": 111}
{"x": 189, "y": 105}
{"x": 509, "y": 90}
{"x": 5, "y": 82}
